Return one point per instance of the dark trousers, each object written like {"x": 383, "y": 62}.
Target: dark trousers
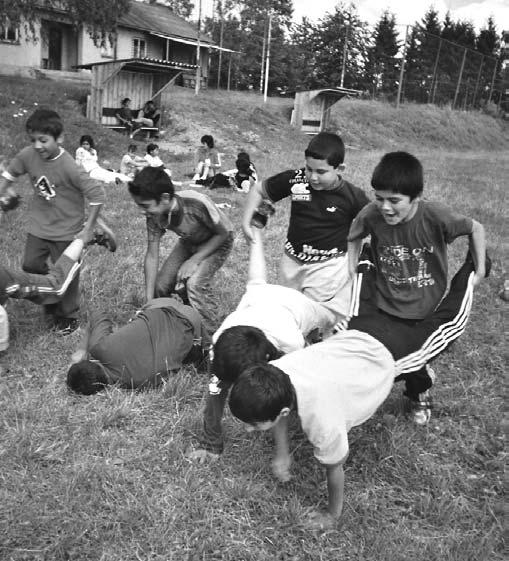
{"x": 413, "y": 343}
{"x": 37, "y": 252}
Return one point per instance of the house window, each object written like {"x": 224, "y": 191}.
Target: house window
{"x": 139, "y": 48}
{"x": 8, "y": 32}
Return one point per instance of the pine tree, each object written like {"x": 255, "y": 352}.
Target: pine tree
{"x": 182, "y": 8}
{"x": 382, "y": 65}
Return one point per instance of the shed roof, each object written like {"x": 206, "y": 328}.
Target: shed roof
{"x": 155, "y": 18}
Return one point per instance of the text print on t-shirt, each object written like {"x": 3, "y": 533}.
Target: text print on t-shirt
{"x": 44, "y": 188}
{"x": 403, "y": 265}
{"x": 300, "y": 188}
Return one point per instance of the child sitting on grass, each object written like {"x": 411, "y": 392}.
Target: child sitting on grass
{"x": 131, "y": 162}
{"x": 208, "y": 161}
{"x": 409, "y": 238}
{"x": 323, "y": 207}
{"x": 86, "y": 157}
{"x": 56, "y": 214}
{"x": 205, "y": 241}
{"x": 153, "y": 159}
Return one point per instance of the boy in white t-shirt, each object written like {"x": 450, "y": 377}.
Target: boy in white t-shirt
{"x": 270, "y": 320}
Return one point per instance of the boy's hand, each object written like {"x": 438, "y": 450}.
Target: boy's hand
{"x": 319, "y": 520}
{"x": 186, "y": 270}
{"x": 78, "y": 356}
{"x": 86, "y": 235}
{"x": 478, "y": 277}
{"x": 281, "y": 468}
{"x": 247, "y": 229}
{"x": 201, "y": 455}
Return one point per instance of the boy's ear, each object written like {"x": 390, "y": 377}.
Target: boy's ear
{"x": 284, "y": 412}
{"x": 341, "y": 167}
{"x": 60, "y": 139}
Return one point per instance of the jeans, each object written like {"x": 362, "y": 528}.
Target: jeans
{"x": 198, "y": 286}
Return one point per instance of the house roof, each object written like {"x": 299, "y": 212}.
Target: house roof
{"x": 160, "y": 20}
{"x": 141, "y": 64}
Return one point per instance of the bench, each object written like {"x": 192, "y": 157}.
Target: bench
{"x": 109, "y": 121}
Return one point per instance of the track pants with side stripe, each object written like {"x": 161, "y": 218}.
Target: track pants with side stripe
{"x": 413, "y": 343}
{"x": 41, "y": 289}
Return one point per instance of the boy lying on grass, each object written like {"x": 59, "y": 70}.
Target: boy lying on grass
{"x": 339, "y": 383}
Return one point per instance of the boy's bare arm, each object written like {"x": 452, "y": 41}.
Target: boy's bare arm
{"x": 477, "y": 241}
{"x": 81, "y": 352}
{"x": 282, "y": 459}
{"x": 87, "y": 230}
{"x": 150, "y": 266}
{"x": 323, "y": 520}
{"x": 204, "y": 250}
{"x": 354, "y": 250}
{"x": 254, "y": 198}
{"x": 257, "y": 266}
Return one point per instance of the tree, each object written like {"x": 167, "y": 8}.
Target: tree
{"x": 182, "y": 8}
{"x": 343, "y": 25}
{"x": 382, "y": 66}
{"x": 99, "y": 17}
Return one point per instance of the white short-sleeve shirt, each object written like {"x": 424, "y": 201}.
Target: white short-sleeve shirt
{"x": 339, "y": 384}
{"x": 284, "y": 314}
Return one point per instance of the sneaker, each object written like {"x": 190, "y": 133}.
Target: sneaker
{"x": 65, "y": 326}
{"x": 421, "y": 409}
{"x": 104, "y": 236}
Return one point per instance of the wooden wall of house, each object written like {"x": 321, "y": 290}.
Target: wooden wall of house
{"x": 109, "y": 89}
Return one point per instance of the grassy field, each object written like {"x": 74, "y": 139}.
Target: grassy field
{"x": 104, "y": 478}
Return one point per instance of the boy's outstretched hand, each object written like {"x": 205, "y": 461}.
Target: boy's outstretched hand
{"x": 319, "y": 520}
{"x": 281, "y": 468}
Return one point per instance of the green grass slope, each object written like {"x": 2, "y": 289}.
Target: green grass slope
{"x": 104, "y": 478}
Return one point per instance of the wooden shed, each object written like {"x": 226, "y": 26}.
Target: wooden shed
{"x": 139, "y": 79}
{"x": 311, "y": 109}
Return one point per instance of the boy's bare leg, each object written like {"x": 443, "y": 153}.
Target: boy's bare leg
{"x": 257, "y": 271}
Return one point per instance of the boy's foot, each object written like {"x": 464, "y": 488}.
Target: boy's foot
{"x": 196, "y": 176}
{"x": 421, "y": 409}
{"x": 103, "y": 235}
{"x": 65, "y": 326}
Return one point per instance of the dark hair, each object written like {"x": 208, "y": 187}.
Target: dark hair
{"x": 132, "y": 148}
{"x": 399, "y": 172}
{"x": 208, "y": 140}
{"x": 87, "y": 138}
{"x": 260, "y": 393}
{"x": 239, "y": 347}
{"x": 243, "y": 156}
{"x": 86, "y": 377}
{"x": 244, "y": 166}
{"x": 150, "y": 183}
{"x": 125, "y": 100}
{"x": 151, "y": 147}
{"x": 326, "y": 146}
{"x": 45, "y": 121}
{"x": 149, "y": 101}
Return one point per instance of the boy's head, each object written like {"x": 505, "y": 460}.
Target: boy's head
{"x": 398, "y": 183}
{"x": 243, "y": 166}
{"x": 45, "y": 127}
{"x": 132, "y": 148}
{"x": 153, "y": 191}
{"x": 324, "y": 161}
{"x": 125, "y": 102}
{"x": 261, "y": 395}
{"x": 152, "y": 148}
{"x": 207, "y": 140}
{"x": 86, "y": 377}
{"x": 239, "y": 347}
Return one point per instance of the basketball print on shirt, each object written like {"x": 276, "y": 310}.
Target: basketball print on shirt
{"x": 44, "y": 188}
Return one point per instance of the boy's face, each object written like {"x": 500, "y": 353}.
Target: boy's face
{"x": 47, "y": 146}
{"x": 86, "y": 145}
{"x": 151, "y": 207}
{"x": 321, "y": 175}
{"x": 395, "y": 207}
{"x": 154, "y": 152}
{"x": 265, "y": 425}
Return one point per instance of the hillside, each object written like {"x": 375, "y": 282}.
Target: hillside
{"x": 240, "y": 120}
